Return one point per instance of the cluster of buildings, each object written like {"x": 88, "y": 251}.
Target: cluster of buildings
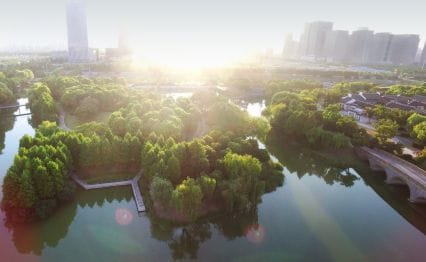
{"x": 78, "y": 43}
{"x": 356, "y": 103}
{"x": 319, "y": 42}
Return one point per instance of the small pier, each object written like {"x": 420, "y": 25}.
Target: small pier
{"x": 140, "y": 206}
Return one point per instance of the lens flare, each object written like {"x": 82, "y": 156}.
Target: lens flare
{"x": 123, "y": 216}
{"x": 255, "y": 233}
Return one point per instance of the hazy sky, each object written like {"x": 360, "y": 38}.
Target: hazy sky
{"x": 226, "y": 25}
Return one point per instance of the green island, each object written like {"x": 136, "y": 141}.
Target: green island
{"x": 194, "y": 160}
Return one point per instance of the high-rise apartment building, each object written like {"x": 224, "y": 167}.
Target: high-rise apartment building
{"x": 313, "y": 39}
{"x": 403, "y": 49}
{"x": 359, "y": 43}
{"x": 423, "y": 58}
{"x": 336, "y": 44}
{"x": 378, "y": 51}
{"x": 290, "y": 47}
{"x": 78, "y": 45}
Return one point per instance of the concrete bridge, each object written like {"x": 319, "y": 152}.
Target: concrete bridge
{"x": 16, "y": 106}
{"x": 133, "y": 183}
{"x": 399, "y": 172}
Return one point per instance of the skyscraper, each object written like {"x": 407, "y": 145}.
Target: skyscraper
{"x": 379, "y": 48}
{"x": 403, "y": 49}
{"x": 290, "y": 47}
{"x": 423, "y": 58}
{"x": 78, "y": 44}
{"x": 359, "y": 43}
{"x": 313, "y": 39}
{"x": 336, "y": 44}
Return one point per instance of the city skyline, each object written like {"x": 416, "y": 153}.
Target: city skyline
{"x": 321, "y": 41}
{"x": 239, "y": 25}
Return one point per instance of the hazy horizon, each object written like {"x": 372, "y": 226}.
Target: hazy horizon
{"x": 198, "y": 27}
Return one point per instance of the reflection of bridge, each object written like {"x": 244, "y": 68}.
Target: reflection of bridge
{"x": 399, "y": 171}
{"x": 16, "y": 106}
{"x": 133, "y": 182}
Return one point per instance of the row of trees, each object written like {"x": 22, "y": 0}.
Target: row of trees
{"x": 407, "y": 90}
{"x": 163, "y": 116}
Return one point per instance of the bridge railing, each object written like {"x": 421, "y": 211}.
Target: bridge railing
{"x": 396, "y": 159}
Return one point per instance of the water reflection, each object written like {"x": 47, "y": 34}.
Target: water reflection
{"x": 345, "y": 170}
{"x": 284, "y": 227}
{"x": 33, "y": 238}
{"x": 307, "y": 162}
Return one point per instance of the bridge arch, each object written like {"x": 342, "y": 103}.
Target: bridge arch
{"x": 398, "y": 172}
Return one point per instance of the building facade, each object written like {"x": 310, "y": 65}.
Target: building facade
{"x": 336, "y": 45}
{"x": 423, "y": 58}
{"x": 78, "y": 44}
{"x": 359, "y": 44}
{"x": 403, "y": 49}
{"x": 378, "y": 51}
{"x": 313, "y": 39}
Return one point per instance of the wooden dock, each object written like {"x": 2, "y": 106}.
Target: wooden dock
{"x": 140, "y": 206}
{"x": 137, "y": 193}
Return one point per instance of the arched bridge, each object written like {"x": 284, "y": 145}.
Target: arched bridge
{"x": 399, "y": 171}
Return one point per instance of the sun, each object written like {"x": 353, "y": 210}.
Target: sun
{"x": 184, "y": 58}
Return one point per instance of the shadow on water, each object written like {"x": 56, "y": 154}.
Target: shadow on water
{"x": 183, "y": 241}
{"x": 32, "y": 238}
{"x": 336, "y": 168}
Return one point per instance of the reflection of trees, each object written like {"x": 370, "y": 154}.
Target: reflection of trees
{"x": 307, "y": 162}
{"x": 185, "y": 241}
{"x": 6, "y": 124}
{"x": 34, "y": 237}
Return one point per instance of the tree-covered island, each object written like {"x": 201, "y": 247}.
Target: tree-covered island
{"x": 199, "y": 155}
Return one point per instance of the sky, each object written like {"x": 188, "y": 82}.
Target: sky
{"x": 200, "y": 26}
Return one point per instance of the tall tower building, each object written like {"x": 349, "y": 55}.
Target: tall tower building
{"x": 78, "y": 44}
{"x": 423, "y": 58}
{"x": 336, "y": 44}
{"x": 290, "y": 47}
{"x": 313, "y": 39}
{"x": 403, "y": 49}
{"x": 359, "y": 44}
{"x": 379, "y": 48}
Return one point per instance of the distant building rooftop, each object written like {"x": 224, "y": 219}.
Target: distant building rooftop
{"x": 420, "y": 98}
{"x": 394, "y": 104}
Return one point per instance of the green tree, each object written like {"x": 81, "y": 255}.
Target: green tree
{"x": 187, "y": 198}
{"x": 420, "y": 132}
{"x": 6, "y": 96}
{"x": 161, "y": 191}
{"x": 173, "y": 169}
{"x": 386, "y": 129}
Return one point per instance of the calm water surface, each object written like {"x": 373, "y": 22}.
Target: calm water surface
{"x": 321, "y": 213}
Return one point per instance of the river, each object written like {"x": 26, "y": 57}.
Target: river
{"x": 320, "y": 213}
